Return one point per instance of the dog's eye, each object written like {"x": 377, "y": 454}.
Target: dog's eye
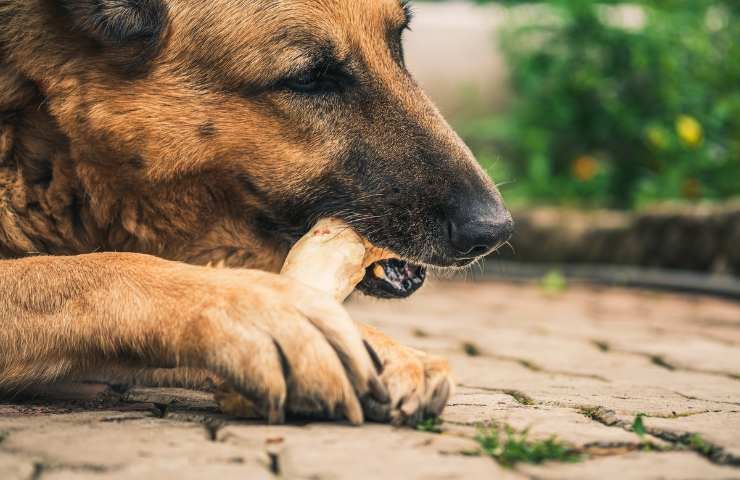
{"x": 306, "y": 82}
{"x": 312, "y": 82}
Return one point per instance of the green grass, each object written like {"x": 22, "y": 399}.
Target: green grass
{"x": 509, "y": 447}
{"x": 430, "y": 425}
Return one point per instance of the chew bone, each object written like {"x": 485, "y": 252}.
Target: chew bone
{"x": 332, "y": 258}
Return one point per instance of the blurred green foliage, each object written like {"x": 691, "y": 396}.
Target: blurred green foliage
{"x": 617, "y": 115}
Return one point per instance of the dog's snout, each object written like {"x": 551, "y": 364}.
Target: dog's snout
{"x": 478, "y": 230}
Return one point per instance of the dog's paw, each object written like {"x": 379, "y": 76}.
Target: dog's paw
{"x": 419, "y": 384}
{"x": 285, "y": 348}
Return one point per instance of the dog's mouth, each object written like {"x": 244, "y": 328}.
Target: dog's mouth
{"x": 392, "y": 278}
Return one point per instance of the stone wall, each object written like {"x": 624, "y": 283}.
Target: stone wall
{"x": 704, "y": 238}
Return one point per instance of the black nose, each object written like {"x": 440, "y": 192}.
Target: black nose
{"x": 478, "y": 230}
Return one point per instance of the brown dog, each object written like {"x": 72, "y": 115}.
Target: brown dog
{"x": 188, "y": 133}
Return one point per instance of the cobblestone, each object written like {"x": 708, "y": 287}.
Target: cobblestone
{"x": 580, "y": 365}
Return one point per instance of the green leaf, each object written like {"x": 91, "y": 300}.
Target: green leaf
{"x": 638, "y": 426}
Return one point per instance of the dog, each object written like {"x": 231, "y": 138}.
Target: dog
{"x": 142, "y": 141}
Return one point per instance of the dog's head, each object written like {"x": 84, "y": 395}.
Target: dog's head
{"x": 306, "y": 104}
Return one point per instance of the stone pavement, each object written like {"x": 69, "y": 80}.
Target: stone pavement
{"x": 579, "y": 365}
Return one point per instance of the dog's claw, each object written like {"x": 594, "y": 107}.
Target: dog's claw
{"x": 419, "y": 384}
{"x": 439, "y": 397}
{"x": 378, "y": 391}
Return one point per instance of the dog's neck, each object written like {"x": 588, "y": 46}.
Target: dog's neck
{"x": 53, "y": 202}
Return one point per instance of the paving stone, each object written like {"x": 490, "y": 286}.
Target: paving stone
{"x": 533, "y": 361}
{"x": 574, "y": 392}
{"x": 370, "y": 452}
{"x": 88, "y": 442}
{"x": 14, "y": 467}
{"x": 718, "y": 428}
{"x": 542, "y": 421}
{"x": 636, "y": 466}
{"x": 697, "y": 354}
{"x": 180, "y": 470}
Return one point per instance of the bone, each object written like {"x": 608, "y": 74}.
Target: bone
{"x": 332, "y": 258}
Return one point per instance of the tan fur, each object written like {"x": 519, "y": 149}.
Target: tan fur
{"x": 93, "y": 161}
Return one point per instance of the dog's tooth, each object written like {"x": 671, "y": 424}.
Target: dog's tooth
{"x": 379, "y": 271}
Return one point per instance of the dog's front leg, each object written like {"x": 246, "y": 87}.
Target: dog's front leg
{"x": 281, "y": 344}
{"x": 419, "y": 384}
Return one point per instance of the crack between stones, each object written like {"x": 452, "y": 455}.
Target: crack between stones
{"x": 660, "y": 361}
{"x": 273, "y": 462}
{"x": 537, "y": 368}
{"x": 534, "y": 367}
{"x": 678, "y": 441}
{"x": 699, "y": 399}
{"x": 40, "y": 468}
{"x": 520, "y": 397}
{"x": 712, "y": 452}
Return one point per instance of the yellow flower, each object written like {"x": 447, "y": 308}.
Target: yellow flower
{"x": 689, "y": 130}
{"x": 584, "y": 168}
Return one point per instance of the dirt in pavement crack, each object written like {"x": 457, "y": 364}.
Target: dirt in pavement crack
{"x": 678, "y": 441}
{"x": 520, "y": 397}
{"x": 534, "y": 367}
{"x": 274, "y": 462}
{"x": 38, "y": 470}
{"x": 212, "y": 427}
{"x": 660, "y": 361}
{"x": 691, "y": 397}
{"x": 41, "y": 468}
{"x": 711, "y": 451}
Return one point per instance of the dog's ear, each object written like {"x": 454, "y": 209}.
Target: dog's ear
{"x": 127, "y": 29}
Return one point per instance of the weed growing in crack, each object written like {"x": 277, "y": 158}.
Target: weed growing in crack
{"x": 471, "y": 349}
{"x": 698, "y": 444}
{"x": 693, "y": 441}
{"x": 529, "y": 365}
{"x": 520, "y": 397}
{"x": 661, "y": 362}
{"x": 509, "y": 447}
{"x": 638, "y": 426}
{"x": 590, "y": 412}
{"x": 554, "y": 283}
{"x": 419, "y": 333}
{"x": 430, "y": 425}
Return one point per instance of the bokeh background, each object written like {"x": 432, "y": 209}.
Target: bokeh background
{"x": 613, "y": 128}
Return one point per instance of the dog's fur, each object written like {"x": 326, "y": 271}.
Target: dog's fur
{"x": 188, "y": 132}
